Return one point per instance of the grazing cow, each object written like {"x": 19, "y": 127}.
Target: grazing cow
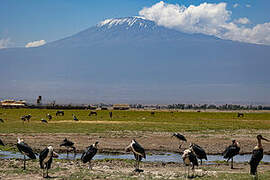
{"x": 60, "y": 113}
{"x": 1, "y": 120}
{"x": 26, "y": 117}
{"x": 92, "y": 113}
{"x": 240, "y": 114}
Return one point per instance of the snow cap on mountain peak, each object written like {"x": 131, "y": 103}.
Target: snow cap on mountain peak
{"x": 129, "y": 21}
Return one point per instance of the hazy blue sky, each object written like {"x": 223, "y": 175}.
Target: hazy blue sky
{"x": 24, "y": 21}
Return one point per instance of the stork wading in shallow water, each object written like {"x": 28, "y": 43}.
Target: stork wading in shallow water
{"x": 189, "y": 159}
{"x": 138, "y": 152}
{"x": 89, "y": 153}
{"x": 68, "y": 144}
{"x": 231, "y": 151}
{"x": 257, "y": 155}
{"x": 45, "y": 159}
{"x": 25, "y": 149}
{"x": 198, "y": 151}
{"x": 180, "y": 137}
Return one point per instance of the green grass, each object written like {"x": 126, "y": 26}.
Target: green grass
{"x": 132, "y": 121}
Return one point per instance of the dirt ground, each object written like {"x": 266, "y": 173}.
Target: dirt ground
{"x": 154, "y": 142}
{"x": 116, "y": 169}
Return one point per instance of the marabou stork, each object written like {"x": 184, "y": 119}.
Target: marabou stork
{"x": 198, "y": 151}
{"x": 231, "y": 151}
{"x": 25, "y": 149}
{"x": 75, "y": 118}
{"x": 180, "y": 137}
{"x": 257, "y": 155}
{"x": 44, "y": 121}
{"x": 45, "y": 159}
{"x": 1, "y": 143}
{"x": 89, "y": 153}
{"x": 138, "y": 152}
{"x": 189, "y": 159}
{"x": 68, "y": 144}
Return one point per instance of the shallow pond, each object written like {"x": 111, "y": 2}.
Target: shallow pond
{"x": 164, "y": 157}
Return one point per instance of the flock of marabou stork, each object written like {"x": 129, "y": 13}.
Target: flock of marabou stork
{"x": 189, "y": 155}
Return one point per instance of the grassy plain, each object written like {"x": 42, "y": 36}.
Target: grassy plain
{"x": 130, "y": 121}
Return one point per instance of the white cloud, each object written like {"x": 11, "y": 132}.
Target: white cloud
{"x": 235, "y": 5}
{"x": 242, "y": 20}
{"x": 207, "y": 18}
{"x": 4, "y": 43}
{"x": 35, "y": 43}
{"x": 248, "y": 5}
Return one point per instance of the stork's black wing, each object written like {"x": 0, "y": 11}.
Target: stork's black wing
{"x": 67, "y": 143}
{"x": 1, "y": 143}
{"x": 43, "y": 154}
{"x": 199, "y": 152}
{"x": 138, "y": 149}
{"x": 180, "y": 136}
{"x": 231, "y": 151}
{"x": 257, "y": 155}
{"x": 88, "y": 154}
{"x": 27, "y": 150}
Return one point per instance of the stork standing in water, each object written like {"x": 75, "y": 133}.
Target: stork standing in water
{"x": 68, "y": 144}
{"x": 231, "y": 151}
{"x": 189, "y": 159}
{"x": 257, "y": 155}
{"x": 199, "y": 151}
{"x": 138, "y": 152}
{"x": 1, "y": 143}
{"x": 25, "y": 149}
{"x": 89, "y": 153}
{"x": 180, "y": 137}
{"x": 45, "y": 159}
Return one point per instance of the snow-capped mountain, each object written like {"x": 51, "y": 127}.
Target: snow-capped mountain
{"x": 141, "y": 56}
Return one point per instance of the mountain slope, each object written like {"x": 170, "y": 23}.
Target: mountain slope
{"x": 139, "y": 55}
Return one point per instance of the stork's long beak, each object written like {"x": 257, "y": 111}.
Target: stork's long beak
{"x": 55, "y": 155}
{"x": 265, "y": 139}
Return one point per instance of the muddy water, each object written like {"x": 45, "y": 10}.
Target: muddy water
{"x": 164, "y": 157}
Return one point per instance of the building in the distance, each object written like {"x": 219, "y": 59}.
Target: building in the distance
{"x": 121, "y": 106}
{"x": 12, "y": 103}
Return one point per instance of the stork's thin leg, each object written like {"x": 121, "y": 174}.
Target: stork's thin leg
{"x": 201, "y": 161}
{"x": 232, "y": 163}
{"x": 47, "y": 172}
{"x": 90, "y": 167}
{"x": 24, "y": 162}
{"x": 67, "y": 152}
